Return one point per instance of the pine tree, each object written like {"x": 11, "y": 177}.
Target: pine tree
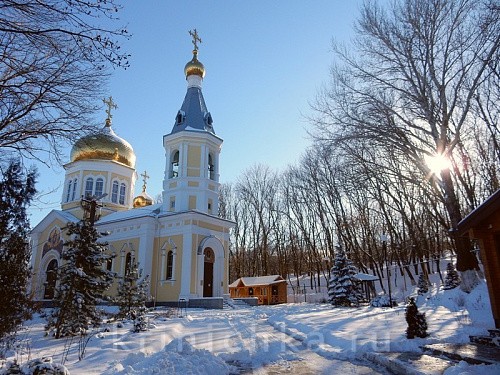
{"x": 423, "y": 284}
{"x": 417, "y": 324}
{"x": 132, "y": 294}
{"x": 452, "y": 279}
{"x": 343, "y": 289}
{"x": 16, "y": 193}
{"x": 82, "y": 282}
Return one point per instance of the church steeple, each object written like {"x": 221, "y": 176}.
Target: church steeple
{"x": 194, "y": 115}
{"x": 192, "y": 149}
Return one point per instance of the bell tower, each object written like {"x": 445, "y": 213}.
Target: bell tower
{"x": 191, "y": 180}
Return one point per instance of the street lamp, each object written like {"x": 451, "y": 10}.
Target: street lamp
{"x": 383, "y": 238}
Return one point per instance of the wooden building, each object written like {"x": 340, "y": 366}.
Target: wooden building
{"x": 270, "y": 290}
{"x": 483, "y": 224}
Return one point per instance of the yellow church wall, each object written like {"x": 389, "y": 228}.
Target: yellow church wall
{"x": 194, "y": 253}
{"x": 194, "y": 161}
{"x": 166, "y": 290}
{"x": 192, "y": 202}
{"x": 210, "y": 226}
{"x": 193, "y": 183}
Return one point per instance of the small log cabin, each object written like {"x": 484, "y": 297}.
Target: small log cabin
{"x": 483, "y": 224}
{"x": 270, "y": 290}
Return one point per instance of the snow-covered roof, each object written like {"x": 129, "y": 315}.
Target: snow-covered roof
{"x": 365, "y": 277}
{"x": 256, "y": 281}
{"x": 131, "y": 214}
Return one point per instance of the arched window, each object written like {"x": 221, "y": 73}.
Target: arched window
{"x": 175, "y": 165}
{"x": 70, "y": 185}
{"x": 89, "y": 187}
{"x": 170, "y": 265}
{"x": 99, "y": 187}
{"x": 50, "y": 280}
{"x": 114, "y": 192}
{"x": 73, "y": 195}
{"x": 123, "y": 189}
{"x": 211, "y": 168}
{"x": 128, "y": 263}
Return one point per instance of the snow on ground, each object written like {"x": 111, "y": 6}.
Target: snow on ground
{"x": 290, "y": 338}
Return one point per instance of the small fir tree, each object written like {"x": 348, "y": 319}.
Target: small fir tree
{"x": 343, "y": 288}
{"x": 82, "y": 282}
{"x": 417, "y": 324}
{"x": 16, "y": 192}
{"x": 452, "y": 279}
{"x": 423, "y": 284}
{"x": 132, "y": 294}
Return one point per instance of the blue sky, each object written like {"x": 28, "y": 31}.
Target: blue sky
{"x": 265, "y": 62}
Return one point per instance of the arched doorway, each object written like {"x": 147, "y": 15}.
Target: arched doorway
{"x": 50, "y": 280}
{"x": 208, "y": 272}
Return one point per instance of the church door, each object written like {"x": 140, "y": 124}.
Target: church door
{"x": 208, "y": 273}
{"x": 50, "y": 281}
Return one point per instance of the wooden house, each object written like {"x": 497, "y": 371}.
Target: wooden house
{"x": 483, "y": 224}
{"x": 270, "y": 290}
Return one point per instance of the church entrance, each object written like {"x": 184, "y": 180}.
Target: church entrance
{"x": 208, "y": 272}
{"x": 51, "y": 279}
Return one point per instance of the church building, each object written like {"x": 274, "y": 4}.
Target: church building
{"x": 180, "y": 243}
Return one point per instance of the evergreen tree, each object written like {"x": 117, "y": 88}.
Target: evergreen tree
{"x": 343, "y": 288}
{"x": 132, "y": 294}
{"x": 16, "y": 193}
{"x": 417, "y": 324}
{"x": 82, "y": 282}
{"x": 452, "y": 279}
{"x": 423, "y": 284}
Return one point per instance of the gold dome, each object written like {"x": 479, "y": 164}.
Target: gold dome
{"x": 103, "y": 145}
{"x": 194, "y": 67}
{"x": 142, "y": 200}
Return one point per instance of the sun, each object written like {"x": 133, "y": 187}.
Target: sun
{"x": 437, "y": 162}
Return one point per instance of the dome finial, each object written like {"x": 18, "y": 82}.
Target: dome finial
{"x": 194, "y": 67}
{"x": 111, "y": 105}
{"x": 145, "y": 177}
{"x": 196, "y": 39}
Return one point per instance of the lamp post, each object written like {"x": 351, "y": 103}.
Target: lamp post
{"x": 383, "y": 238}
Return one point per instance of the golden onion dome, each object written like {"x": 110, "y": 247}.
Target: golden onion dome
{"x": 194, "y": 67}
{"x": 103, "y": 145}
{"x": 143, "y": 200}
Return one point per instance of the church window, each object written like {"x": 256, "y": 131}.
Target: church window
{"x": 179, "y": 119}
{"x": 73, "y": 195}
{"x": 114, "y": 192}
{"x": 170, "y": 265}
{"x": 99, "y": 186}
{"x": 70, "y": 185}
{"x": 175, "y": 165}
{"x": 211, "y": 168}
{"x": 128, "y": 263}
{"x": 89, "y": 187}
{"x": 123, "y": 188}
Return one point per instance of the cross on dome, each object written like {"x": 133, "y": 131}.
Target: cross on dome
{"x": 111, "y": 105}
{"x": 196, "y": 39}
{"x": 145, "y": 177}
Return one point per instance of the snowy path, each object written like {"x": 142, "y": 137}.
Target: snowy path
{"x": 254, "y": 345}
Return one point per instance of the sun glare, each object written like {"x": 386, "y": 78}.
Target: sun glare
{"x": 437, "y": 163}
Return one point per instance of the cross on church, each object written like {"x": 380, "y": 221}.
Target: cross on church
{"x": 111, "y": 105}
{"x": 196, "y": 38}
{"x": 145, "y": 177}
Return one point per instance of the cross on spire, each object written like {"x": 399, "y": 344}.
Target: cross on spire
{"x": 196, "y": 39}
{"x": 145, "y": 177}
{"x": 111, "y": 105}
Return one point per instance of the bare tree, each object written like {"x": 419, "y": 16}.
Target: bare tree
{"x": 55, "y": 60}
{"x": 413, "y": 88}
